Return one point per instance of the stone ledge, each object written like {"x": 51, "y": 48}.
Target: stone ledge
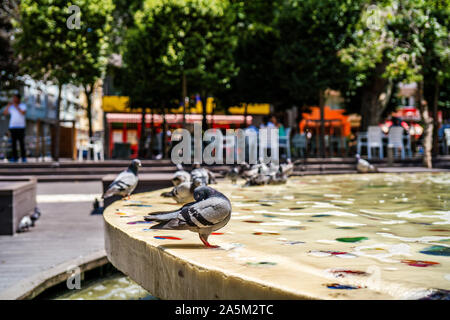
{"x": 36, "y": 284}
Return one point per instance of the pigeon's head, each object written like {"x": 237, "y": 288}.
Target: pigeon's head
{"x": 197, "y": 182}
{"x": 204, "y": 192}
{"x": 358, "y": 156}
{"x": 135, "y": 164}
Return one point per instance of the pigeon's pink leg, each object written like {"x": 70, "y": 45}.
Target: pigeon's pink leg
{"x": 206, "y": 243}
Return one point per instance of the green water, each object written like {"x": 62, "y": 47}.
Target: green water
{"x": 114, "y": 287}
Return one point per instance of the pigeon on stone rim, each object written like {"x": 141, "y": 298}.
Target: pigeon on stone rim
{"x": 363, "y": 166}
{"x": 211, "y": 211}
{"x": 180, "y": 175}
{"x": 181, "y": 193}
{"x": 125, "y": 182}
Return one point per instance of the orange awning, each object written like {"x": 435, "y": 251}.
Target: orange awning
{"x": 335, "y": 121}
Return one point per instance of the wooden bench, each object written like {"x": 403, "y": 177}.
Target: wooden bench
{"x": 17, "y": 199}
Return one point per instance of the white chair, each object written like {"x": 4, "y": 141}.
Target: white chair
{"x": 446, "y": 140}
{"x": 374, "y": 141}
{"x": 97, "y": 147}
{"x": 395, "y": 138}
{"x": 361, "y": 141}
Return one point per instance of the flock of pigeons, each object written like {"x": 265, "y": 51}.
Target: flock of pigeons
{"x": 261, "y": 173}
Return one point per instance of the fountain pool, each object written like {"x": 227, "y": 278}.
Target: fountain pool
{"x": 377, "y": 236}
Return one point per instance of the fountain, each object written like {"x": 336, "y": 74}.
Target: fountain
{"x": 375, "y": 236}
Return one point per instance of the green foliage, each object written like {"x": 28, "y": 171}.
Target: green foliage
{"x": 174, "y": 37}
{"x": 311, "y": 34}
{"x": 51, "y": 51}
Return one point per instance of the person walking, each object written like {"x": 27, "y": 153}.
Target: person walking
{"x": 16, "y": 110}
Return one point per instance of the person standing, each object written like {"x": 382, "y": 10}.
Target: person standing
{"x": 16, "y": 110}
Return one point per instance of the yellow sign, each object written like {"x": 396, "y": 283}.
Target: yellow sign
{"x": 121, "y": 104}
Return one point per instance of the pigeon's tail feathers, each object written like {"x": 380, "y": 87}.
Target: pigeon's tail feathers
{"x": 168, "y": 194}
{"x": 173, "y": 224}
{"x": 162, "y": 216}
{"x": 108, "y": 194}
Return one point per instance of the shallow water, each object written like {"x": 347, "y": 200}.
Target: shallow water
{"x": 114, "y": 287}
{"x": 395, "y": 224}
{"x": 374, "y": 236}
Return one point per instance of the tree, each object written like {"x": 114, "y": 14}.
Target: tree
{"x": 201, "y": 42}
{"x": 50, "y": 51}
{"x": 8, "y": 60}
{"x": 311, "y": 34}
{"x": 399, "y": 41}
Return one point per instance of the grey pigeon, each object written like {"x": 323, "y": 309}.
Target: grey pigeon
{"x": 232, "y": 174}
{"x": 211, "y": 211}
{"x": 24, "y": 224}
{"x": 125, "y": 183}
{"x": 181, "y": 193}
{"x": 180, "y": 176}
{"x": 363, "y": 166}
{"x": 202, "y": 176}
{"x": 287, "y": 168}
{"x": 35, "y": 216}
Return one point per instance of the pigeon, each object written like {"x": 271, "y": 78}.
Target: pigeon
{"x": 35, "y": 216}
{"x": 287, "y": 168}
{"x": 363, "y": 166}
{"x": 181, "y": 193}
{"x": 202, "y": 175}
{"x": 210, "y": 211}
{"x": 232, "y": 174}
{"x": 180, "y": 176}
{"x": 125, "y": 183}
{"x": 25, "y": 224}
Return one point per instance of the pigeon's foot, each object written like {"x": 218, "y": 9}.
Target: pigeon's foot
{"x": 206, "y": 243}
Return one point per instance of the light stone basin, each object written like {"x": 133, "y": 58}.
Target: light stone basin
{"x": 281, "y": 241}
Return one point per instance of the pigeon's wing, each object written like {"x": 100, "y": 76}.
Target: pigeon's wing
{"x": 206, "y": 213}
{"x": 124, "y": 184}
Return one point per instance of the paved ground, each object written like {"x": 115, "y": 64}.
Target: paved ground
{"x": 65, "y": 231}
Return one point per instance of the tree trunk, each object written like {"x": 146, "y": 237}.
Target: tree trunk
{"x": 57, "y": 131}
{"x": 142, "y": 138}
{"x": 183, "y": 100}
{"x": 427, "y": 122}
{"x": 204, "y": 99}
{"x": 435, "y": 118}
{"x": 375, "y": 97}
{"x": 164, "y": 142}
{"x": 88, "y": 93}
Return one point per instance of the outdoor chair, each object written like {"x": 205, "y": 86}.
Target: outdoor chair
{"x": 446, "y": 142}
{"x": 97, "y": 147}
{"x": 374, "y": 141}
{"x": 361, "y": 141}
{"x": 299, "y": 145}
{"x": 395, "y": 140}
{"x": 284, "y": 143}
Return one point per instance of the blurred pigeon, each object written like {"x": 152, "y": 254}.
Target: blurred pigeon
{"x": 287, "y": 168}
{"x": 232, "y": 174}
{"x": 35, "y": 216}
{"x": 125, "y": 183}
{"x": 363, "y": 166}
{"x": 210, "y": 212}
{"x": 247, "y": 171}
{"x": 202, "y": 175}
{"x": 180, "y": 175}
{"x": 182, "y": 193}
{"x": 25, "y": 224}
